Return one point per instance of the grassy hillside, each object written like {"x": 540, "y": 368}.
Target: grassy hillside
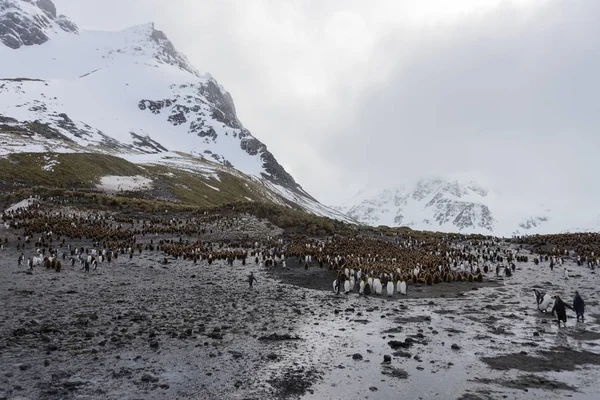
{"x": 76, "y": 171}
{"x": 199, "y": 190}
{"x": 208, "y": 187}
{"x": 74, "y": 177}
{"x": 292, "y": 221}
{"x": 82, "y": 171}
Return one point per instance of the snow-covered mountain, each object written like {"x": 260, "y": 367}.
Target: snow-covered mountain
{"x": 437, "y": 204}
{"x": 125, "y": 93}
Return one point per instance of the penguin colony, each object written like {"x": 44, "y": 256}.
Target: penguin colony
{"x": 367, "y": 264}
{"x": 47, "y": 236}
{"x": 376, "y": 266}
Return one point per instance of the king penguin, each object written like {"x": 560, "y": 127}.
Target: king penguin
{"x": 537, "y": 297}
{"x": 367, "y": 290}
{"x": 560, "y": 310}
{"x": 578, "y": 306}
{"x": 545, "y": 302}
{"x": 377, "y": 286}
{"x": 390, "y": 289}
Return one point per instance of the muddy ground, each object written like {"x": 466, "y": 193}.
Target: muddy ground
{"x": 137, "y": 329}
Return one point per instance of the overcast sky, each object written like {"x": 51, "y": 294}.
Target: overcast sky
{"x": 348, "y": 93}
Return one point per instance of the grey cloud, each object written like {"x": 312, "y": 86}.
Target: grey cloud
{"x": 513, "y": 99}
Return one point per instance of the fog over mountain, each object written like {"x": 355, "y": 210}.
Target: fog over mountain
{"x": 352, "y": 94}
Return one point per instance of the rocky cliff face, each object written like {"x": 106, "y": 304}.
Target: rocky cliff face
{"x": 198, "y": 109}
{"x": 30, "y": 22}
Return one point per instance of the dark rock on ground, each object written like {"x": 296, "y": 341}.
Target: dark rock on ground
{"x": 394, "y": 372}
{"x": 277, "y": 337}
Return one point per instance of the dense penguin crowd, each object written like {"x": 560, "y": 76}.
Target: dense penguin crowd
{"x": 367, "y": 264}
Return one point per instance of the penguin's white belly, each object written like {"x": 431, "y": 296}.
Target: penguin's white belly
{"x": 361, "y": 287}
{"x": 390, "y": 289}
{"x": 403, "y": 288}
{"x": 398, "y": 286}
{"x": 546, "y": 302}
{"x": 334, "y": 285}
{"x": 378, "y": 286}
{"x": 347, "y": 286}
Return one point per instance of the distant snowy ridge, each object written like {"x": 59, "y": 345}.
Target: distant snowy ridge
{"x": 443, "y": 205}
{"x": 130, "y": 92}
{"x": 428, "y": 205}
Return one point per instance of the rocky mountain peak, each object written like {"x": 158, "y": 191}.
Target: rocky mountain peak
{"x": 167, "y": 52}
{"x": 31, "y": 22}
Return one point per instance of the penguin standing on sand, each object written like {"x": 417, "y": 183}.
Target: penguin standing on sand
{"x": 560, "y": 310}
{"x": 578, "y": 306}
{"x": 403, "y": 288}
{"x": 347, "y": 286}
{"x": 361, "y": 287}
{"x": 251, "y": 279}
{"x": 367, "y": 290}
{"x": 337, "y": 284}
{"x": 377, "y": 286}
{"x": 566, "y": 274}
{"x": 390, "y": 288}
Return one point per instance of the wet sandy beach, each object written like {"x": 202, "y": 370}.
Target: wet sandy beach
{"x": 138, "y": 329}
